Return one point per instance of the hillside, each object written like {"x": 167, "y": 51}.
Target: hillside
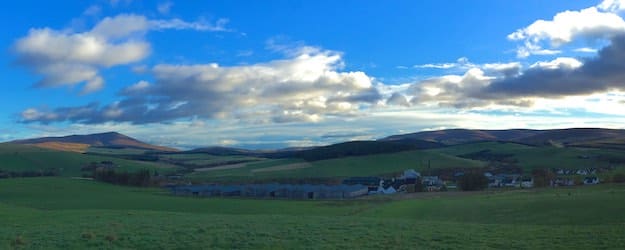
{"x": 460, "y": 136}
{"x": 23, "y": 158}
{"x": 73, "y": 142}
{"x": 338, "y": 150}
{"x": 574, "y": 137}
{"x": 337, "y": 168}
{"x": 360, "y": 148}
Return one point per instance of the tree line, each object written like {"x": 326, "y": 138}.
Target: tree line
{"x": 141, "y": 178}
{"x": 29, "y": 173}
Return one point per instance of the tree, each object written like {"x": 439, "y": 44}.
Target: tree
{"x": 473, "y": 181}
{"x": 542, "y": 177}
{"x": 618, "y": 178}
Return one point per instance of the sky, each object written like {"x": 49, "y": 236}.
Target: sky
{"x": 285, "y": 73}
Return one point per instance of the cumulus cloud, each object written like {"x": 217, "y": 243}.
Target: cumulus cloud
{"x": 569, "y": 76}
{"x": 398, "y": 99}
{"x": 452, "y": 90}
{"x": 506, "y": 69}
{"x": 557, "y": 78}
{"x": 306, "y": 87}
{"x": 593, "y": 23}
{"x": 63, "y": 57}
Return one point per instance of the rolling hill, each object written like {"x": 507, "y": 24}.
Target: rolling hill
{"x": 80, "y": 143}
{"x": 22, "y": 158}
{"x": 575, "y": 137}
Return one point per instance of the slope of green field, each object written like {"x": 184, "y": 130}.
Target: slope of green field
{"x": 529, "y": 157}
{"x": 379, "y": 164}
{"x": 63, "y": 213}
{"x": 207, "y": 159}
{"x": 116, "y": 151}
{"x": 14, "y": 157}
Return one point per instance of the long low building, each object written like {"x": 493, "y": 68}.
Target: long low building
{"x": 285, "y": 191}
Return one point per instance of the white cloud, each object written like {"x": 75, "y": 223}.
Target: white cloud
{"x": 398, "y": 99}
{"x": 120, "y": 26}
{"x": 71, "y": 58}
{"x": 565, "y": 63}
{"x": 436, "y": 65}
{"x": 507, "y": 69}
{"x": 139, "y": 87}
{"x": 94, "y": 84}
{"x": 179, "y": 24}
{"x": 452, "y": 90}
{"x": 612, "y": 6}
{"x": 307, "y": 87}
{"x": 586, "y": 50}
{"x": 591, "y": 23}
{"x": 461, "y": 62}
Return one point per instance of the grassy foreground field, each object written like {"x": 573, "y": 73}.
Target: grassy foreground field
{"x": 75, "y": 214}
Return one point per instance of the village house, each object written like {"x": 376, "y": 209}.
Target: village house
{"x": 527, "y": 182}
{"x": 506, "y": 180}
{"x": 591, "y": 180}
{"x": 432, "y": 183}
{"x": 562, "y": 181}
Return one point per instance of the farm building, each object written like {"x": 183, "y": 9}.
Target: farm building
{"x": 371, "y": 182}
{"x": 285, "y": 191}
{"x": 410, "y": 176}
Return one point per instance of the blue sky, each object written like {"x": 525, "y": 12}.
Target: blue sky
{"x": 298, "y": 73}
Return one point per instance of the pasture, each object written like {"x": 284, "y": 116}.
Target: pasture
{"x": 379, "y": 164}
{"x": 15, "y": 157}
{"x": 529, "y": 157}
{"x": 65, "y": 213}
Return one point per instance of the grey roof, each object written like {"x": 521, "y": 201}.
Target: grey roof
{"x": 271, "y": 187}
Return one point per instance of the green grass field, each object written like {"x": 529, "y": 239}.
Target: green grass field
{"x": 526, "y": 157}
{"x": 206, "y": 159}
{"x": 538, "y": 157}
{"x": 14, "y": 157}
{"x": 380, "y": 164}
{"x": 116, "y": 151}
{"x": 64, "y": 213}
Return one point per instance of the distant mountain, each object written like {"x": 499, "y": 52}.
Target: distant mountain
{"x": 223, "y": 151}
{"x": 79, "y": 143}
{"x": 577, "y": 137}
